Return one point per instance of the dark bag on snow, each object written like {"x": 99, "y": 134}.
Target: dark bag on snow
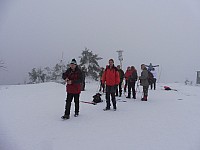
{"x": 97, "y": 98}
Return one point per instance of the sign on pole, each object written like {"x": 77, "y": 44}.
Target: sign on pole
{"x": 120, "y": 57}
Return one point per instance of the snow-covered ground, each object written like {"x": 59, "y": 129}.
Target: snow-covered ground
{"x": 30, "y": 120}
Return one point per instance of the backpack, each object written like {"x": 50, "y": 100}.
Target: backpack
{"x": 150, "y": 77}
{"x": 97, "y": 98}
{"x": 133, "y": 77}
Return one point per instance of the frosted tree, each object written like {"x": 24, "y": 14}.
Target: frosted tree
{"x": 89, "y": 62}
{"x": 33, "y": 75}
{"x": 37, "y": 75}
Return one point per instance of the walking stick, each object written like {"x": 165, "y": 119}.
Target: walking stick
{"x": 138, "y": 89}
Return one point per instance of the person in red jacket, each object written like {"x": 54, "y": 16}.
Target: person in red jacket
{"x": 73, "y": 78}
{"x": 127, "y": 75}
{"x": 112, "y": 79}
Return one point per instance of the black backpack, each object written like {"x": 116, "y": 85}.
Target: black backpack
{"x": 150, "y": 77}
{"x": 97, "y": 98}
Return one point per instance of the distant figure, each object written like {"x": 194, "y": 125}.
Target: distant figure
{"x": 111, "y": 78}
{"x": 150, "y": 66}
{"x": 102, "y": 85}
{"x": 153, "y": 83}
{"x": 83, "y": 79}
{"x": 131, "y": 82}
{"x": 127, "y": 74}
{"x": 144, "y": 82}
{"x": 119, "y": 87}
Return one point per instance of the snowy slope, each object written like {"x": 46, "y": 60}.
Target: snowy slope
{"x": 30, "y": 120}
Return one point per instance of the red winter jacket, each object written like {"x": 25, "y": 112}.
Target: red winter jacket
{"x": 128, "y": 74}
{"x": 111, "y": 76}
{"x": 76, "y": 77}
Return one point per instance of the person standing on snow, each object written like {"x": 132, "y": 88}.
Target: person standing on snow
{"x": 144, "y": 82}
{"x": 131, "y": 82}
{"x": 73, "y": 78}
{"x": 83, "y": 79}
{"x": 119, "y": 87}
{"x": 112, "y": 79}
{"x": 150, "y": 66}
{"x": 127, "y": 74}
{"x": 153, "y": 83}
{"x": 102, "y": 86}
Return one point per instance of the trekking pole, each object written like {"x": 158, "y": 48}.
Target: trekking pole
{"x": 159, "y": 71}
{"x": 98, "y": 87}
{"x": 138, "y": 89}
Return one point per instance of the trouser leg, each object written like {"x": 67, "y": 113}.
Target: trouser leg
{"x": 76, "y": 101}
{"x": 120, "y": 88}
{"x": 155, "y": 84}
{"x": 117, "y": 90}
{"x": 145, "y": 91}
{"x": 151, "y": 86}
{"x": 113, "y": 100}
{"x": 133, "y": 90}
{"x": 103, "y": 86}
{"x": 129, "y": 91}
{"x": 68, "y": 104}
{"x": 126, "y": 82}
{"x": 108, "y": 96}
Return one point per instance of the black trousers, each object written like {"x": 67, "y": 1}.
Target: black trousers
{"x": 119, "y": 89}
{"x": 153, "y": 84}
{"x": 131, "y": 86}
{"x": 126, "y": 83}
{"x": 68, "y": 103}
{"x": 110, "y": 91}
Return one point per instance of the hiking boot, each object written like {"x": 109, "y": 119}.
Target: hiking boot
{"x": 107, "y": 108}
{"x": 65, "y": 117}
{"x": 76, "y": 115}
{"x": 144, "y": 98}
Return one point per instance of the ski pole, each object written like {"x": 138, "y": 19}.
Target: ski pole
{"x": 138, "y": 89}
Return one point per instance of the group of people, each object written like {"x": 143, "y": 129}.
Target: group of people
{"x": 111, "y": 83}
{"x": 130, "y": 77}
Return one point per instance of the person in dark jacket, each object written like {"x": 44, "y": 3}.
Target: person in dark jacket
{"x": 73, "y": 79}
{"x": 153, "y": 83}
{"x": 144, "y": 82}
{"x": 119, "y": 87}
{"x": 83, "y": 79}
{"x": 131, "y": 82}
{"x": 150, "y": 66}
{"x": 127, "y": 74}
{"x": 111, "y": 78}
{"x": 102, "y": 85}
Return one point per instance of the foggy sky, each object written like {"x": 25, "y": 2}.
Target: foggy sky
{"x": 34, "y": 33}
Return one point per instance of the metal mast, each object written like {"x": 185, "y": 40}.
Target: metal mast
{"x": 120, "y": 57}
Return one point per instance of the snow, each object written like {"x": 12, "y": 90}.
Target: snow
{"x": 30, "y": 120}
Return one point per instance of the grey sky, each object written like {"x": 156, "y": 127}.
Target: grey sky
{"x": 34, "y": 33}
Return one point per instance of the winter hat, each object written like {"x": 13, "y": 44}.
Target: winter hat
{"x": 73, "y": 62}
